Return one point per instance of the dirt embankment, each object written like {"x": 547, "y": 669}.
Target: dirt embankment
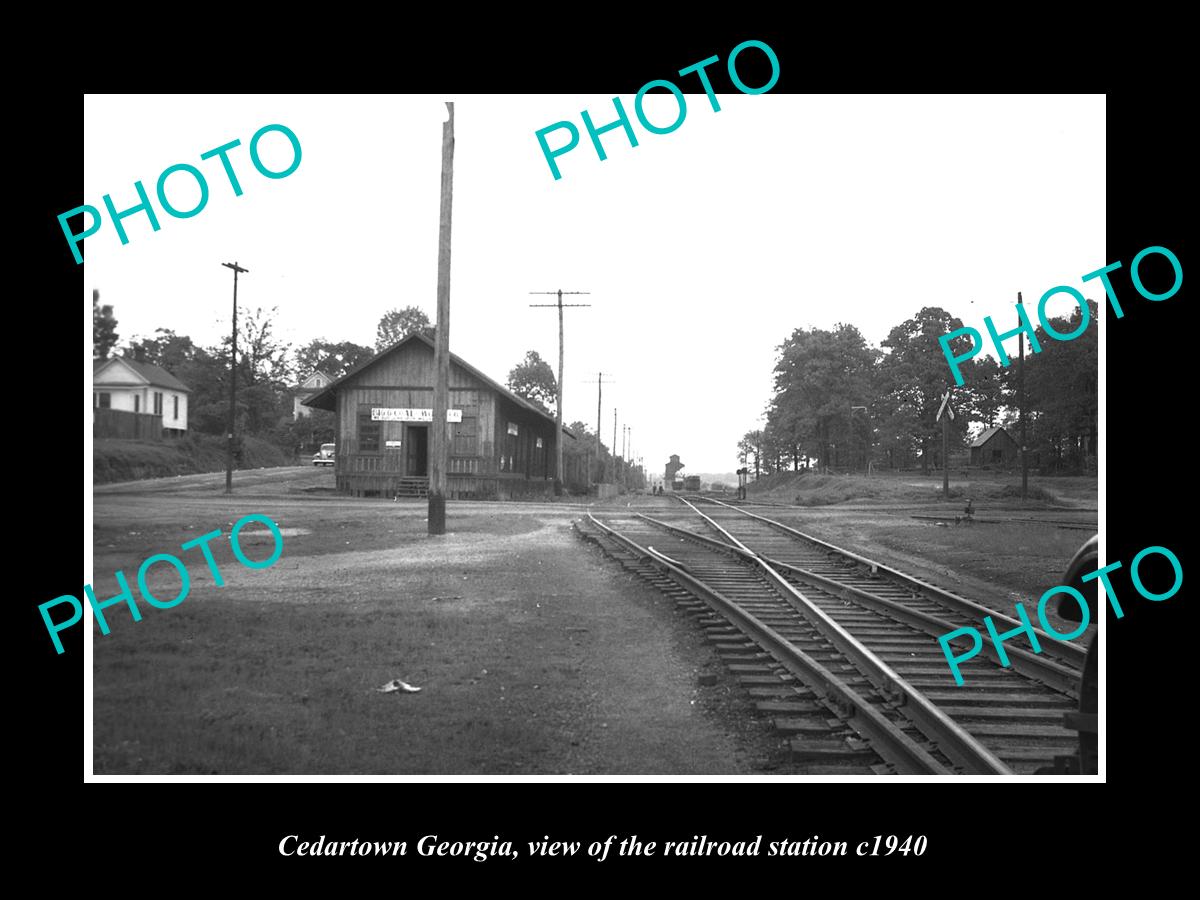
{"x": 814, "y": 489}
{"x": 118, "y": 460}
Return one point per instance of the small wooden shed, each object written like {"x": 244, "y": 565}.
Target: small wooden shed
{"x": 995, "y": 447}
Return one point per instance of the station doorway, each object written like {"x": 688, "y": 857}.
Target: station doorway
{"x": 416, "y": 439}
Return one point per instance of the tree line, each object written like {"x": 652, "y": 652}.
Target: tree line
{"x": 268, "y": 370}
{"x": 841, "y": 404}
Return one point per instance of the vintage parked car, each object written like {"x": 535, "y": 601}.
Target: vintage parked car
{"x": 325, "y": 456}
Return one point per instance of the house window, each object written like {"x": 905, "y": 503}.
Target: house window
{"x": 158, "y": 403}
{"x": 997, "y": 456}
{"x": 104, "y": 400}
{"x": 368, "y": 433}
{"x": 137, "y": 403}
{"x": 176, "y": 401}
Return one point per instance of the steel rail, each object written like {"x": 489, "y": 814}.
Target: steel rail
{"x": 1038, "y": 668}
{"x": 952, "y": 739}
{"x": 1072, "y": 653}
{"x": 887, "y": 738}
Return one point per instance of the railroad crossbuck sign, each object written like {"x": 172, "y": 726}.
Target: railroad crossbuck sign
{"x": 394, "y": 414}
{"x": 945, "y": 408}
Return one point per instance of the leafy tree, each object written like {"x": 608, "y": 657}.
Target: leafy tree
{"x": 167, "y": 349}
{"x": 397, "y": 324}
{"x": 914, "y": 377}
{"x": 534, "y": 380}
{"x": 104, "y": 328}
{"x": 261, "y": 356}
{"x": 207, "y": 374}
{"x": 985, "y": 391}
{"x": 264, "y": 378}
{"x": 819, "y": 376}
{"x": 751, "y": 446}
{"x": 334, "y": 359}
{"x": 1061, "y": 393}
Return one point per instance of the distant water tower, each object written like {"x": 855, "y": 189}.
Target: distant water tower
{"x": 669, "y": 473}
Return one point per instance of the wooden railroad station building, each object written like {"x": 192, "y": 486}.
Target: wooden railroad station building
{"x": 501, "y": 445}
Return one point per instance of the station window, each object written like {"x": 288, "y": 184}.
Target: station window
{"x": 539, "y": 458}
{"x": 158, "y": 403}
{"x": 508, "y": 453}
{"x": 368, "y": 434}
{"x": 137, "y": 403}
{"x": 175, "y": 400}
{"x": 104, "y": 400}
{"x": 522, "y": 462}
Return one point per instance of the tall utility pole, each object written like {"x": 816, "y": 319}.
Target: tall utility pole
{"x": 614, "y": 444}
{"x": 558, "y": 414}
{"x": 1021, "y": 408}
{"x": 232, "y": 382}
{"x": 599, "y": 433}
{"x": 628, "y": 450}
{"x": 599, "y": 463}
{"x": 441, "y": 351}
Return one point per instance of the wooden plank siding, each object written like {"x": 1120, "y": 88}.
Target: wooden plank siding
{"x": 120, "y": 423}
{"x": 486, "y": 462}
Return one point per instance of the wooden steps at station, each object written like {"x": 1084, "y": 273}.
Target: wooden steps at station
{"x": 412, "y": 486}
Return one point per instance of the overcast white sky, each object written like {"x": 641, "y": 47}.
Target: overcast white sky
{"x": 702, "y": 249}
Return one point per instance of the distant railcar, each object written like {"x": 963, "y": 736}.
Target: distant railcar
{"x": 691, "y": 483}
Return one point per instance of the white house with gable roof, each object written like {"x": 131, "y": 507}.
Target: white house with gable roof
{"x": 141, "y": 387}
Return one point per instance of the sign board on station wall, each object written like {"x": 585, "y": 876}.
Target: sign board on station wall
{"x": 395, "y": 414}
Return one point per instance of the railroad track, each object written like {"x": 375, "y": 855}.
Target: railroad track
{"x": 802, "y": 555}
{"x": 843, "y": 651}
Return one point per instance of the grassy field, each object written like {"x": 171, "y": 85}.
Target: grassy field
{"x": 119, "y": 460}
{"x": 532, "y": 655}
{"x": 810, "y": 489}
